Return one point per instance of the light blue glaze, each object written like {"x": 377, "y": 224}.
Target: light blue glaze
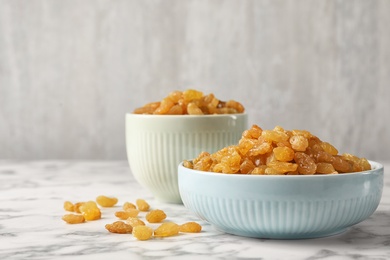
{"x": 282, "y": 207}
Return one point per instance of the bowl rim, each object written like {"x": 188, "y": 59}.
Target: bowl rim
{"x": 187, "y": 116}
{"x": 375, "y": 167}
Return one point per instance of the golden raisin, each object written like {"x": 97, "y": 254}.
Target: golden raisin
{"x": 142, "y": 205}
{"x": 273, "y": 171}
{"x": 155, "y": 216}
{"x": 278, "y": 151}
{"x": 303, "y": 133}
{"x": 235, "y": 105}
{"x": 77, "y": 206}
{"x": 68, "y": 206}
{"x": 167, "y": 229}
{"x": 148, "y": 108}
{"x": 192, "y": 94}
{"x": 133, "y": 221}
{"x": 261, "y": 147}
{"x": 259, "y": 170}
{"x": 73, "y": 218}
{"x": 359, "y": 164}
{"x": 230, "y": 161}
{"x": 190, "y": 102}
{"x": 342, "y": 165}
{"x": 247, "y": 166}
{"x": 175, "y": 96}
{"x": 142, "y": 232}
{"x": 244, "y": 145}
{"x": 299, "y": 143}
{"x": 190, "y": 227}
{"x": 193, "y": 109}
{"x": 127, "y": 214}
{"x": 306, "y": 165}
{"x": 90, "y": 211}
{"x": 175, "y": 110}
{"x": 325, "y": 168}
{"x": 128, "y": 205}
{"x": 119, "y": 227}
{"x": 165, "y": 105}
{"x": 252, "y": 133}
{"x": 275, "y": 136}
{"x": 322, "y": 156}
{"x": 105, "y": 201}
{"x": 283, "y": 167}
{"x": 284, "y": 154}
{"x": 188, "y": 164}
{"x": 365, "y": 164}
{"x": 330, "y": 149}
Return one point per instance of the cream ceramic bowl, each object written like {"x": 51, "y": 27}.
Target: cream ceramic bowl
{"x": 156, "y": 144}
{"x": 282, "y": 207}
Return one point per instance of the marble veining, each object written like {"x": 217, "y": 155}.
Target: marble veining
{"x": 32, "y": 195}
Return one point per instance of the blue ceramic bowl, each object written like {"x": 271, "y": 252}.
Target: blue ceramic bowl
{"x": 282, "y": 207}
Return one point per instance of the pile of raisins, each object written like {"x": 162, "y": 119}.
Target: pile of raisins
{"x": 278, "y": 152}
{"x": 129, "y": 222}
{"x": 190, "y": 102}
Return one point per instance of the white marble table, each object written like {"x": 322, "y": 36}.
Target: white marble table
{"x": 32, "y": 196}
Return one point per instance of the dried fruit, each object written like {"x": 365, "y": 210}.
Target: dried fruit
{"x": 259, "y": 170}
{"x": 165, "y": 105}
{"x": 132, "y": 224}
{"x": 342, "y": 165}
{"x": 119, "y": 227}
{"x": 77, "y": 206}
{"x": 278, "y": 152}
{"x": 142, "y": 232}
{"x": 90, "y": 211}
{"x": 247, "y": 166}
{"x": 330, "y": 149}
{"x": 284, "y": 154}
{"x": 155, "y": 216}
{"x": 190, "y": 227}
{"x": 274, "y": 136}
{"x": 190, "y": 102}
{"x": 193, "y": 109}
{"x": 306, "y": 165}
{"x": 130, "y": 213}
{"x": 299, "y": 143}
{"x": 188, "y": 164}
{"x": 68, "y": 206}
{"x": 142, "y": 205}
{"x": 148, "y": 108}
{"x": 128, "y": 205}
{"x": 252, "y": 133}
{"x": 238, "y": 107}
{"x": 282, "y": 167}
{"x": 261, "y": 147}
{"x": 105, "y": 201}
{"x": 230, "y": 160}
{"x": 73, "y": 218}
{"x": 167, "y": 229}
{"x": 133, "y": 221}
{"x": 325, "y": 168}
{"x": 192, "y": 94}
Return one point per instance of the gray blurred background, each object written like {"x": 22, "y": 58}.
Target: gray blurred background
{"x": 71, "y": 70}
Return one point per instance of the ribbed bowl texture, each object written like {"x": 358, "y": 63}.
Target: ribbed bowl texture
{"x": 156, "y": 145}
{"x": 282, "y": 207}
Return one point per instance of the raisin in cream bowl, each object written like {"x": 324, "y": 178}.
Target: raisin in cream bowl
{"x": 157, "y": 144}
{"x": 257, "y": 189}
{"x": 159, "y": 135}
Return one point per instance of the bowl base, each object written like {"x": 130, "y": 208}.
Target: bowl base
{"x": 286, "y": 236}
